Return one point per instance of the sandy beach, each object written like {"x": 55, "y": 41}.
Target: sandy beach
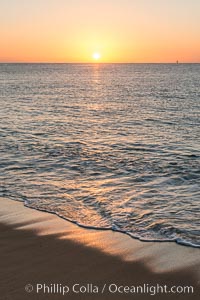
{"x": 41, "y": 248}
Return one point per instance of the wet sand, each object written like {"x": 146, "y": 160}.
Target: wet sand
{"x": 38, "y": 247}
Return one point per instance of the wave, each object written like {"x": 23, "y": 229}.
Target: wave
{"x": 179, "y": 241}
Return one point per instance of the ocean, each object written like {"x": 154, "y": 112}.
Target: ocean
{"x": 107, "y": 146}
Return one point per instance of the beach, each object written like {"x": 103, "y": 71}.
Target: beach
{"x": 39, "y": 248}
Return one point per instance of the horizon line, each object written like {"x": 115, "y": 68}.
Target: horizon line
{"x": 95, "y": 63}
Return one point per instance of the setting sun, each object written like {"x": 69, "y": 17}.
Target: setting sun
{"x": 96, "y": 55}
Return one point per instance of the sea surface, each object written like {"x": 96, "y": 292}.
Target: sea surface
{"x": 108, "y": 146}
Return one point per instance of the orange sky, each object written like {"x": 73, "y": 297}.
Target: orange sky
{"x": 120, "y": 30}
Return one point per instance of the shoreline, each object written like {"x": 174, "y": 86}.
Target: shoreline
{"x": 186, "y": 244}
{"x": 48, "y": 248}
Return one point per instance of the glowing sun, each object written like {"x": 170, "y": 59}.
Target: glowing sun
{"x": 96, "y": 55}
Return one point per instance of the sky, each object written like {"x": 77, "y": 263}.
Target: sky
{"x": 136, "y": 31}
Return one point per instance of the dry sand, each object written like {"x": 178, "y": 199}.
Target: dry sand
{"x": 38, "y": 247}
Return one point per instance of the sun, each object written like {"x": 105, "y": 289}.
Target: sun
{"x": 96, "y": 55}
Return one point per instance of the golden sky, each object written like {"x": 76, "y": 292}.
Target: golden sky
{"x": 116, "y": 30}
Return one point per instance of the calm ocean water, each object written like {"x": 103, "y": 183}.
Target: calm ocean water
{"x": 112, "y": 146}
